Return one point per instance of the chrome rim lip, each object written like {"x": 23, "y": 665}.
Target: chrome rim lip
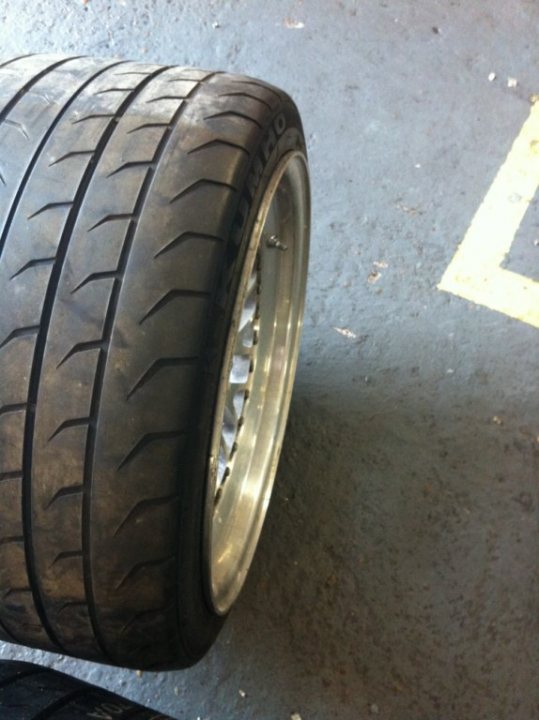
{"x": 236, "y": 508}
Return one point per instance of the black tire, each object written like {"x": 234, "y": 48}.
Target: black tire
{"x": 127, "y": 192}
{"x": 31, "y": 692}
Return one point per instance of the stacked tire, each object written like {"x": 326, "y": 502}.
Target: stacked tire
{"x": 31, "y": 692}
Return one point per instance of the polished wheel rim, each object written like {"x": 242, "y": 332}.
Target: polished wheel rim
{"x": 256, "y": 380}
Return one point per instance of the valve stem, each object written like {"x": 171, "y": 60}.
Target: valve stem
{"x": 274, "y": 242}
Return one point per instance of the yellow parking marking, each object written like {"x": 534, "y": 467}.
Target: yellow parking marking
{"x": 475, "y": 273}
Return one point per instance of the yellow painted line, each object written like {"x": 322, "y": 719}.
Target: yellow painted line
{"x": 475, "y": 272}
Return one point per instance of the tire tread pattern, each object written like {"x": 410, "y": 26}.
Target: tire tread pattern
{"x": 115, "y": 150}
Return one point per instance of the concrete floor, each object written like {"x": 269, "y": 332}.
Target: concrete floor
{"x": 398, "y": 572}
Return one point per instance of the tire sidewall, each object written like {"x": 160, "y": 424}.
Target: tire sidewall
{"x": 199, "y": 623}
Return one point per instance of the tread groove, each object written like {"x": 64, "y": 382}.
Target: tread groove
{"x": 183, "y": 78}
{"x": 234, "y": 113}
{"x": 223, "y": 143}
{"x": 141, "y": 566}
{"x": 46, "y": 99}
{"x": 81, "y": 347}
{"x": 37, "y": 364}
{"x": 93, "y": 277}
{"x": 144, "y": 613}
{"x": 148, "y": 439}
{"x": 71, "y": 423}
{"x": 94, "y": 116}
{"x": 15, "y": 59}
{"x": 111, "y": 90}
{"x": 158, "y": 365}
{"x": 144, "y": 505}
{"x": 18, "y": 333}
{"x": 148, "y": 125}
{"x": 72, "y": 604}
{"x": 66, "y": 555}
{"x": 203, "y": 182}
{"x": 133, "y": 164}
{"x": 247, "y": 95}
{"x": 16, "y": 591}
{"x": 32, "y": 264}
{"x": 170, "y": 296}
{"x": 17, "y": 126}
{"x": 51, "y": 206}
{"x": 168, "y": 97}
{"x": 183, "y": 238}
{"x": 112, "y": 218}
{"x": 12, "y": 408}
{"x": 64, "y": 492}
{"x": 72, "y": 154}
{"x": 135, "y": 72}
{"x": 11, "y": 475}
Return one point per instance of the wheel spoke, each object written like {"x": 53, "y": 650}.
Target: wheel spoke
{"x": 222, "y": 464}
{"x": 241, "y": 367}
{"x": 238, "y": 401}
{"x": 249, "y": 311}
{"x": 229, "y": 431}
{"x": 238, "y": 382}
{"x": 246, "y": 340}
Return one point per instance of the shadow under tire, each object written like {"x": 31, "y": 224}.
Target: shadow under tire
{"x": 142, "y": 208}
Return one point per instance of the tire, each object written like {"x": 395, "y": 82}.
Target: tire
{"x": 129, "y": 198}
{"x": 31, "y": 692}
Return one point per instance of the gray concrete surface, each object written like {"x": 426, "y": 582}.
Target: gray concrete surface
{"x": 397, "y": 575}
